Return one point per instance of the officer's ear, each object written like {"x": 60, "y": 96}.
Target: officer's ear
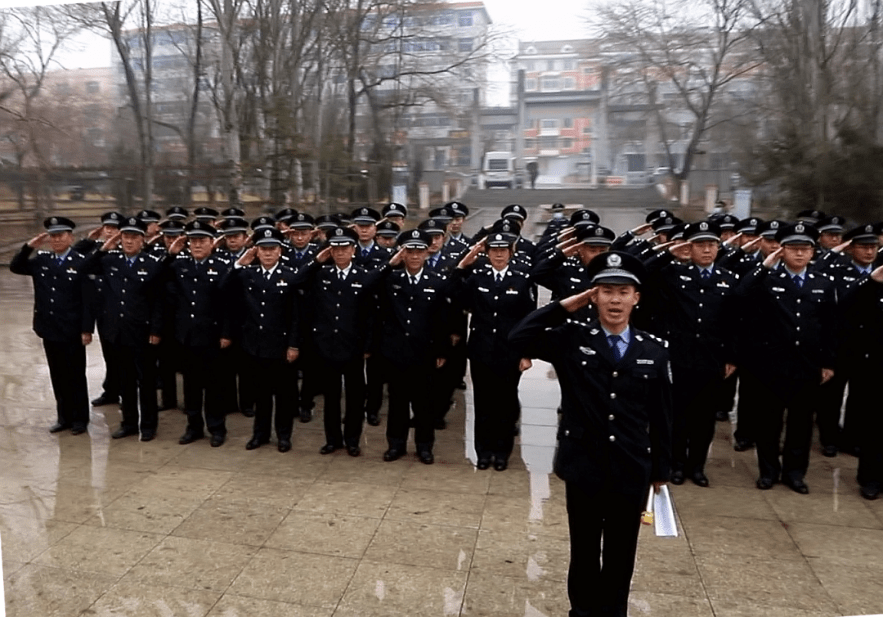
{"x": 593, "y": 295}
{"x": 637, "y": 298}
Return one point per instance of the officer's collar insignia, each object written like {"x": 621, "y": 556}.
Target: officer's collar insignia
{"x": 614, "y": 261}
{"x": 588, "y": 351}
{"x": 799, "y": 228}
{"x": 703, "y": 226}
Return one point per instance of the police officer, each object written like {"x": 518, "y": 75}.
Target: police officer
{"x": 498, "y": 298}
{"x": 861, "y": 357}
{"x": 368, "y": 253}
{"x": 197, "y": 309}
{"x": 459, "y": 211}
{"x": 787, "y": 342}
{"x": 266, "y": 292}
{"x": 395, "y": 212}
{"x": 698, "y": 316}
{"x": 413, "y": 344}
{"x": 387, "y": 232}
{"x": 614, "y": 437}
{"x": 62, "y": 318}
{"x": 132, "y": 313}
{"x": 563, "y": 269}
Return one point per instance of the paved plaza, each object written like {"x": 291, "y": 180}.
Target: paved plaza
{"x": 91, "y": 526}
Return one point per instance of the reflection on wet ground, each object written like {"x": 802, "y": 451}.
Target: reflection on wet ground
{"x": 91, "y": 527}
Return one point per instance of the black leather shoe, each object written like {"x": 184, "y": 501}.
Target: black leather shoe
{"x": 124, "y": 432}
{"x": 743, "y": 444}
{"x": 829, "y": 451}
{"x": 677, "y": 477}
{"x": 393, "y": 454}
{"x": 353, "y": 450}
{"x": 148, "y": 435}
{"x": 58, "y": 427}
{"x": 217, "y": 441}
{"x": 798, "y": 486}
{"x": 699, "y": 479}
{"x": 501, "y": 464}
{"x": 328, "y": 448}
{"x": 483, "y": 463}
{"x": 426, "y": 457}
{"x": 869, "y": 492}
{"x": 248, "y": 413}
{"x": 254, "y": 442}
{"x": 373, "y": 419}
{"x": 78, "y": 430}
{"x": 765, "y": 484}
{"x": 189, "y": 437}
{"x": 284, "y": 445}
{"x": 306, "y": 415}
{"x": 104, "y": 399}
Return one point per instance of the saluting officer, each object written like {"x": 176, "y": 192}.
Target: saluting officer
{"x": 267, "y": 306}
{"x": 132, "y": 313}
{"x": 563, "y": 269}
{"x": 459, "y": 211}
{"x": 698, "y": 318}
{"x": 413, "y": 345}
{"x": 197, "y": 308}
{"x": 368, "y": 253}
{"x": 786, "y": 352}
{"x": 498, "y": 297}
{"x": 62, "y": 318}
{"x": 387, "y": 232}
{"x": 614, "y": 437}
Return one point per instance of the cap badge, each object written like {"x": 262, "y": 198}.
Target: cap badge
{"x": 599, "y": 231}
{"x": 703, "y": 226}
{"x": 268, "y": 233}
{"x": 415, "y": 234}
{"x": 614, "y": 261}
{"x": 338, "y": 232}
{"x": 799, "y": 228}
{"x": 499, "y": 237}
{"x": 869, "y": 228}
{"x": 53, "y": 221}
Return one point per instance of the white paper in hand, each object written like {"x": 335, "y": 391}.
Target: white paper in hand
{"x": 664, "y": 514}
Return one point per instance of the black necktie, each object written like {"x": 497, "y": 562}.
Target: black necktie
{"x": 341, "y": 275}
{"x": 414, "y": 280}
{"x": 614, "y": 340}
{"x": 266, "y": 275}
{"x": 499, "y": 278}
{"x": 797, "y": 281}
{"x": 705, "y": 275}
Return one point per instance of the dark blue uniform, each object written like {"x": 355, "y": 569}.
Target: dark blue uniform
{"x": 61, "y": 316}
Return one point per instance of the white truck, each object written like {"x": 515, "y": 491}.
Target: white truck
{"x": 498, "y": 169}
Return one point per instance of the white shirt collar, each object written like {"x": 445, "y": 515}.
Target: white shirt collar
{"x": 500, "y": 272}
{"x": 271, "y": 270}
{"x": 344, "y": 271}
{"x": 625, "y": 335}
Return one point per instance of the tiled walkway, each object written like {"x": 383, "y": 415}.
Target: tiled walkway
{"x": 94, "y": 527}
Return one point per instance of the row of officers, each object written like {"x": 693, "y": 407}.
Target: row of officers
{"x": 790, "y": 310}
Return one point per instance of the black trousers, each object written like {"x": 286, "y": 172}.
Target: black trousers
{"x": 167, "y": 366}
{"x": 727, "y": 393}
{"x": 410, "y": 389}
{"x": 495, "y": 395}
{"x": 137, "y": 384}
{"x": 830, "y": 403}
{"x": 868, "y": 420}
{"x": 200, "y": 366}
{"x": 311, "y": 379}
{"x": 273, "y": 379}
{"x": 332, "y": 375}
{"x": 67, "y": 371}
{"x": 375, "y": 377}
{"x": 111, "y": 385}
{"x": 695, "y": 394}
{"x": 598, "y": 581}
{"x": 235, "y": 379}
{"x": 802, "y": 404}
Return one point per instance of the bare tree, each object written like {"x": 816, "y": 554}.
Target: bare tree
{"x": 677, "y": 57}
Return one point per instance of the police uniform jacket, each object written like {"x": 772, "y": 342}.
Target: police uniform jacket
{"x": 564, "y": 277}
{"x": 788, "y": 333}
{"x": 415, "y": 318}
{"x": 442, "y": 262}
{"x": 375, "y": 257}
{"x": 615, "y": 429}
{"x": 131, "y": 295}
{"x": 61, "y": 308}
{"x": 861, "y": 331}
{"x": 496, "y": 308}
{"x": 739, "y": 262}
{"x": 297, "y": 258}
{"x": 697, "y": 315}
{"x": 267, "y": 310}
{"x": 196, "y": 300}
{"x": 341, "y": 316}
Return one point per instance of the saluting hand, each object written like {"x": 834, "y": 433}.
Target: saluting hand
{"x": 86, "y": 338}
{"x": 398, "y": 258}
{"x": 37, "y": 240}
{"x": 112, "y": 242}
{"x": 676, "y": 247}
{"x": 729, "y": 369}
{"x": 95, "y": 233}
{"x": 877, "y": 274}
{"x": 248, "y": 256}
{"x": 773, "y": 258}
{"x": 291, "y": 354}
{"x": 178, "y": 245}
{"x": 642, "y": 229}
{"x": 154, "y": 339}
{"x": 749, "y": 247}
{"x": 577, "y": 301}
{"x": 323, "y": 255}
{"x": 841, "y": 247}
{"x": 225, "y": 343}
{"x": 827, "y": 374}
{"x": 222, "y": 239}
{"x": 567, "y": 233}
{"x": 732, "y": 240}
{"x": 524, "y": 364}
{"x": 470, "y": 257}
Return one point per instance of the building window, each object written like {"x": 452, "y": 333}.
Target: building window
{"x": 551, "y": 84}
{"x": 464, "y": 44}
{"x": 529, "y": 65}
{"x": 587, "y": 130}
{"x": 93, "y": 87}
{"x": 588, "y": 70}
{"x": 530, "y": 84}
{"x": 568, "y": 65}
{"x": 549, "y": 123}
{"x": 567, "y": 143}
{"x": 550, "y": 65}
{"x": 568, "y": 123}
{"x": 465, "y": 19}
{"x": 548, "y": 143}
{"x": 528, "y": 123}
{"x": 569, "y": 83}
{"x": 530, "y": 144}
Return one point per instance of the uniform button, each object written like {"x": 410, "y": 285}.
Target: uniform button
{"x": 797, "y": 343}
{"x": 496, "y": 297}
{"x": 263, "y": 303}
{"x": 494, "y": 331}
{"x": 702, "y": 291}
{"x": 798, "y": 328}
{"x": 699, "y": 320}
{"x": 613, "y": 438}
{"x": 584, "y": 362}
{"x": 697, "y": 336}
{"x": 613, "y": 395}
{"x": 798, "y": 300}
{"x": 262, "y": 314}
{"x": 610, "y": 417}
{"x": 567, "y": 432}
{"x": 52, "y": 299}
{"x": 260, "y": 327}
{"x": 700, "y": 305}
{"x": 615, "y": 373}
{"x": 407, "y": 334}
{"x": 495, "y": 314}
{"x": 407, "y": 321}
{"x": 798, "y": 314}
{"x": 409, "y": 309}
{"x": 191, "y": 316}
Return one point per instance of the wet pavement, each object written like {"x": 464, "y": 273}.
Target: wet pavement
{"x": 91, "y": 526}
